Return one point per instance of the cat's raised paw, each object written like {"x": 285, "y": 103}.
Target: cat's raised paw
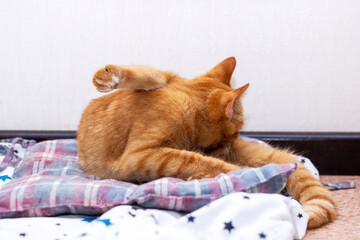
{"x": 107, "y": 79}
{"x": 200, "y": 176}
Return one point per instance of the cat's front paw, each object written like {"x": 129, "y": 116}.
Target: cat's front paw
{"x": 200, "y": 176}
{"x": 107, "y": 79}
{"x": 320, "y": 212}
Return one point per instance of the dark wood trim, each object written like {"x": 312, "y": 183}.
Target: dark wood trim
{"x": 304, "y": 136}
{"x": 331, "y": 153}
{"x": 38, "y": 135}
{"x": 334, "y": 153}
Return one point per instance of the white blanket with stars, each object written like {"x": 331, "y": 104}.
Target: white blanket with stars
{"x": 235, "y": 216}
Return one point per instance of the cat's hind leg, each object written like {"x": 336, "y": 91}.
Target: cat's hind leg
{"x": 315, "y": 199}
{"x": 142, "y": 165}
{"x": 137, "y": 77}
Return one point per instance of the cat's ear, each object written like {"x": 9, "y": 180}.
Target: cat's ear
{"x": 230, "y": 99}
{"x": 223, "y": 71}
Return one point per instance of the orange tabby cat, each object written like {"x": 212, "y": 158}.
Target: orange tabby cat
{"x": 160, "y": 125}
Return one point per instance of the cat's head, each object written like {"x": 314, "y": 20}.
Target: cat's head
{"x": 222, "y": 109}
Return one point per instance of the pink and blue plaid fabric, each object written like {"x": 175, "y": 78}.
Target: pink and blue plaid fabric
{"x": 49, "y": 182}
{"x": 9, "y": 152}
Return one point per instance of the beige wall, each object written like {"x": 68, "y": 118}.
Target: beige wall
{"x": 302, "y": 58}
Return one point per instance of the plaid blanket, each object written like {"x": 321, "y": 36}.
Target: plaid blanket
{"x": 49, "y": 181}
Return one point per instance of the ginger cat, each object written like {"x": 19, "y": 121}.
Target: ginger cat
{"x": 161, "y": 125}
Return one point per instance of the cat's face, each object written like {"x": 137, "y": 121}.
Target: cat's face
{"x": 223, "y": 112}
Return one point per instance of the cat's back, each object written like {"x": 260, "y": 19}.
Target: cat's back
{"x": 107, "y": 121}
{"x": 98, "y": 130}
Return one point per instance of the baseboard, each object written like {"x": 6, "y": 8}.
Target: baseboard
{"x": 332, "y": 153}
{"x": 38, "y": 135}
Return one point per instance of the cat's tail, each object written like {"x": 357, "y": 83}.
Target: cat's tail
{"x": 137, "y": 77}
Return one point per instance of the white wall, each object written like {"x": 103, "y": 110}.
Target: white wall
{"x": 302, "y": 58}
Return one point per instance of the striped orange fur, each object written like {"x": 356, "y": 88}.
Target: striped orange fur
{"x": 162, "y": 125}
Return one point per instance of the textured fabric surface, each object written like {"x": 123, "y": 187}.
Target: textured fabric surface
{"x": 347, "y": 222}
{"x": 340, "y": 185}
{"x": 12, "y": 151}
{"x": 49, "y": 182}
{"x": 245, "y": 216}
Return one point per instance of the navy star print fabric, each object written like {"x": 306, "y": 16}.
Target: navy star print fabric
{"x": 235, "y": 216}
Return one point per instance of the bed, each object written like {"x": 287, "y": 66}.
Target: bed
{"x": 45, "y": 195}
